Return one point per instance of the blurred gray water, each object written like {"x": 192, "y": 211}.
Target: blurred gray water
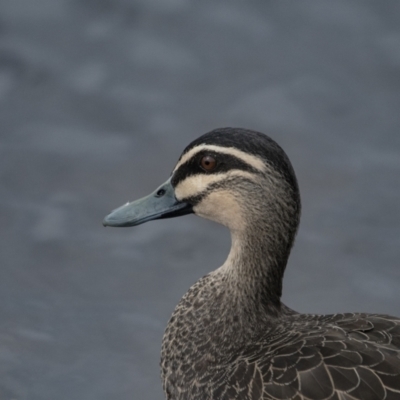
{"x": 98, "y": 99}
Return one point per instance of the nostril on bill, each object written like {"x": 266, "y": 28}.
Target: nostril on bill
{"x": 160, "y": 193}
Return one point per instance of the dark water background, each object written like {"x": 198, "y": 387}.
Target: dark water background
{"x": 97, "y": 100}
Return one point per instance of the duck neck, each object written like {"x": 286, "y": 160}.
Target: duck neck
{"x": 256, "y": 263}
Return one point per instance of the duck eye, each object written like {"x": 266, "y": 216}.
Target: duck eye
{"x": 208, "y": 163}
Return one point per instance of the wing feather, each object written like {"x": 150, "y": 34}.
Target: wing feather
{"x": 347, "y": 358}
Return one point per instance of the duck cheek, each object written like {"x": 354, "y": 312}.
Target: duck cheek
{"x": 221, "y": 207}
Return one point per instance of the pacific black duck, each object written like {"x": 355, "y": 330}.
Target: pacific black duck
{"x": 230, "y": 336}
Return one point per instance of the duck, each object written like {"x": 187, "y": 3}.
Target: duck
{"x": 230, "y": 336}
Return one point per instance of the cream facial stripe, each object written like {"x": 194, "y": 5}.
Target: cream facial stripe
{"x": 194, "y": 185}
{"x": 250, "y": 159}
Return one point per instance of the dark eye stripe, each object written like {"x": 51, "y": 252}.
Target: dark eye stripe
{"x": 225, "y": 163}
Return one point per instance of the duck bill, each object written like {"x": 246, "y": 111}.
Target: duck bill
{"x": 162, "y": 203}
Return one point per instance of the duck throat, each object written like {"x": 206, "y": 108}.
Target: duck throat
{"x": 257, "y": 260}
